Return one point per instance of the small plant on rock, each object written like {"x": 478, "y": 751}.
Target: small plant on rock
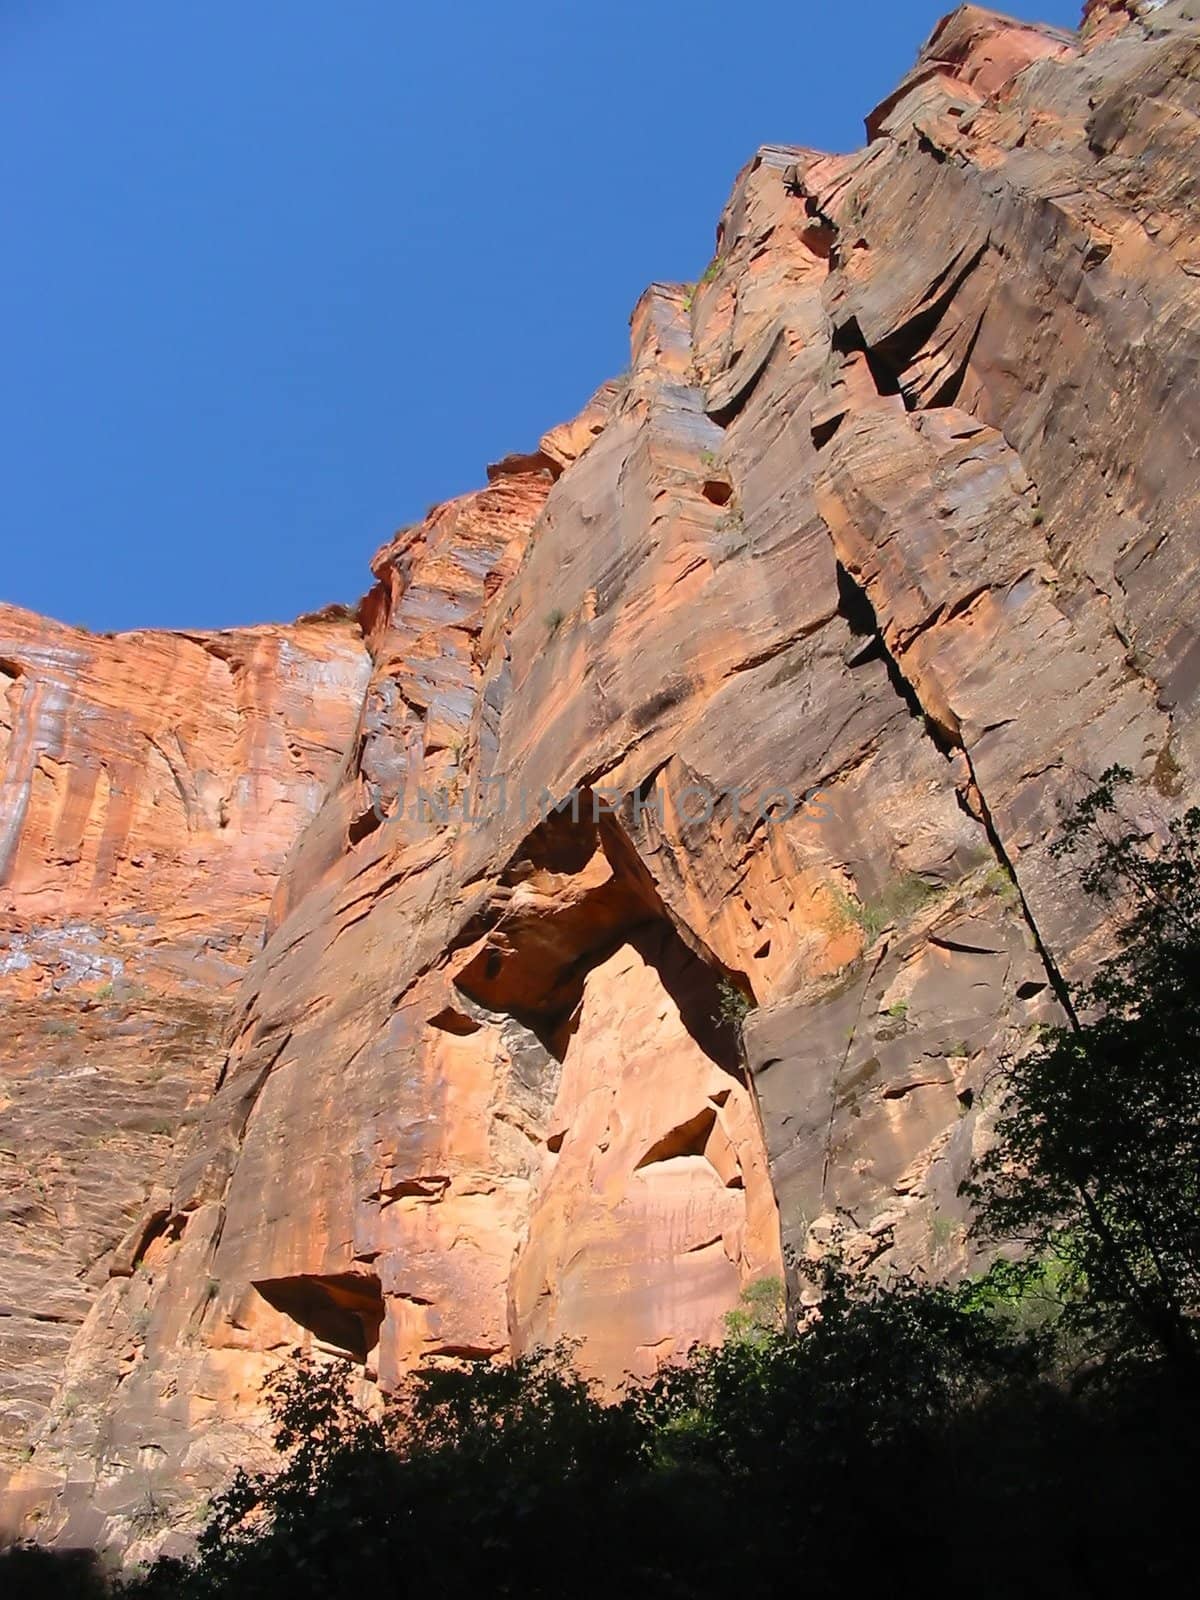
{"x": 759, "y": 1314}
{"x": 733, "y": 1006}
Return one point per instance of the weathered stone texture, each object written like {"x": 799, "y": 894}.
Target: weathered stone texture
{"x": 895, "y": 518}
{"x": 152, "y": 786}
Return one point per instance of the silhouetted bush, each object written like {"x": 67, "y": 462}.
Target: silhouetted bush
{"x": 1096, "y": 1168}
{"x": 906, "y": 1440}
{"x": 30, "y": 1573}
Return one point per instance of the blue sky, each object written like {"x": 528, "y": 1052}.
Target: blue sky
{"x": 280, "y": 274}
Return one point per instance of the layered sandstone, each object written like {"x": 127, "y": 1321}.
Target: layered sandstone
{"x": 893, "y": 519}
{"x": 153, "y": 785}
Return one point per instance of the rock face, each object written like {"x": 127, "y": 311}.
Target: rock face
{"x": 153, "y": 785}
{"x": 758, "y": 689}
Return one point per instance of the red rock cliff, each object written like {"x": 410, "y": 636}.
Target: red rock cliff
{"x": 893, "y": 519}
{"x": 152, "y": 786}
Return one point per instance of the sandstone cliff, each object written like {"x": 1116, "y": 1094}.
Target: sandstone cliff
{"x": 893, "y": 520}
{"x": 153, "y": 785}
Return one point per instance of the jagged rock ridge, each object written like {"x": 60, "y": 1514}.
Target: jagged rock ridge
{"x": 894, "y": 518}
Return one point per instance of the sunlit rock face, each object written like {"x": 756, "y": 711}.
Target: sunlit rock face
{"x": 810, "y": 627}
{"x": 151, "y": 787}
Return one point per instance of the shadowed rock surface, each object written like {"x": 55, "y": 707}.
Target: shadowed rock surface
{"x": 894, "y": 518}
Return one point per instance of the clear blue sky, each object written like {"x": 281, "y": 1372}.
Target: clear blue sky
{"x": 279, "y": 274}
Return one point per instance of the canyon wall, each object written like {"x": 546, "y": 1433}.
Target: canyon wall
{"x": 810, "y": 627}
{"x": 152, "y": 787}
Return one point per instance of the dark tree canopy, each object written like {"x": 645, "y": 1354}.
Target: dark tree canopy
{"x": 1096, "y": 1168}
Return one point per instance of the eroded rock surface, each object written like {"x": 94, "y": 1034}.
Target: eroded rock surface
{"x": 153, "y": 785}
{"x": 883, "y": 551}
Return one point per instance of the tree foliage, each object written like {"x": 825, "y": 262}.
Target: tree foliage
{"x": 1096, "y": 1166}
{"x": 520, "y": 1479}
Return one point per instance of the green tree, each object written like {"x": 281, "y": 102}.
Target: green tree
{"x": 1096, "y": 1165}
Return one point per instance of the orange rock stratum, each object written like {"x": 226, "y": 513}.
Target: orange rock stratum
{"x": 324, "y": 1029}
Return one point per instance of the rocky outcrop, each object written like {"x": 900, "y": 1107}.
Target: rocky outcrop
{"x": 688, "y": 867}
{"x": 153, "y": 785}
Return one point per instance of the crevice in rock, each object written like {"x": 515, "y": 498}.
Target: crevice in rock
{"x": 705, "y": 1244}
{"x": 342, "y": 1309}
{"x": 694, "y": 987}
{"x": 854, "y": 605}
{"x": 778, "y": 647}
{"x": 943, "y": 613}
{"x": 363, "y": 825}
{"x": 823, "y": 432}
{"x": 686, "y": 1139}
{"x": 927, "y": 147}
{"x": 947, "y": 393}
{"x": 900, "y": 1091}
{"x": 964, "y": 947}
{"x": 224, "y": 650}
{"x": 154, "y": 1225}
{"x": 547, "y": 927}
{"x": 891, "y": 357}
{"x": 1057, "y": 981}
{"x": 466, "y": 1352}
{"x": 723, "y": 413}
{"x": 450, "y": 1020}
{"x": 424, "y": 1188}
{"x": 522, "y": 465}
{"x": 848, "y": 338}
{"x": 821, "y": 238}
